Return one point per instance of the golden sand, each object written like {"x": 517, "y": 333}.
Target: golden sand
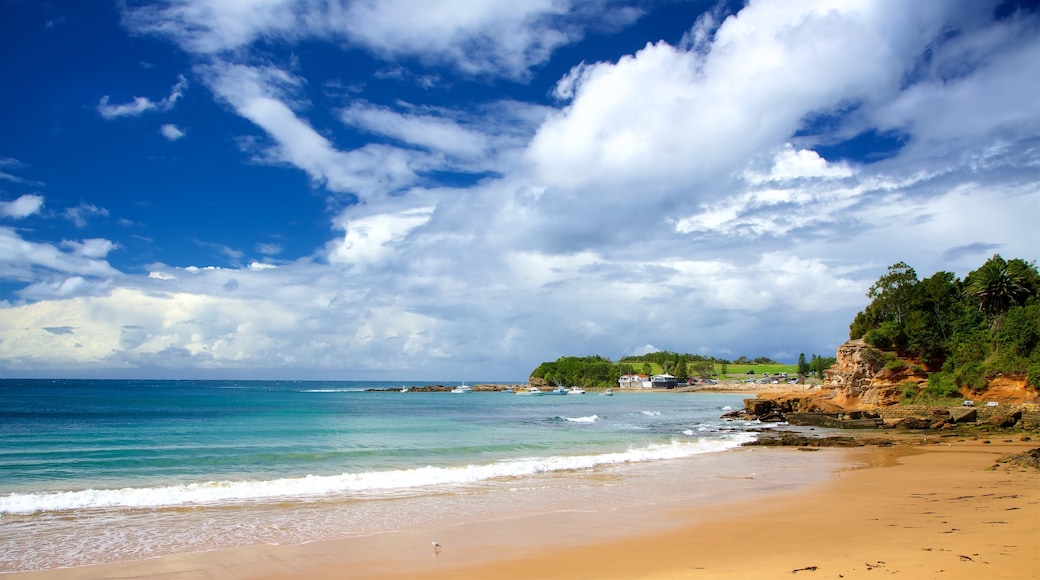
{"x": 913, "y": 511}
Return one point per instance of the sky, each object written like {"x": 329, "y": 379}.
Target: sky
{"x": 463, "y": 189}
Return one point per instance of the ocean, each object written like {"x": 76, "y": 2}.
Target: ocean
{"x": 97, "y": 471}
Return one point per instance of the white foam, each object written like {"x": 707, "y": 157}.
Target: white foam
{"x": 589, "y": 419}
{"x": 651, "y": 413}
{"x": 233, "y": 492}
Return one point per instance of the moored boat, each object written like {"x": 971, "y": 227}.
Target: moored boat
{"x": 531, "y": 392}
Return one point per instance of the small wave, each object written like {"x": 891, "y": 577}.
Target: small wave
{"x": 332, "y": 390}
{"x": 589, "y": 419}
{"x": 233, "y": 492}
{"x": 651, "y": 413}
{"x": 727, "y": 408}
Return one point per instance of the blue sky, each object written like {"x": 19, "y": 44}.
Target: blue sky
{"x": 462, "y": 189}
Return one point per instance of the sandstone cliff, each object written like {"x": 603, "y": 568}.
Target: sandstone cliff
{"x": 866, "y": 379}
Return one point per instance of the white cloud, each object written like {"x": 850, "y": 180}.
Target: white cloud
{"x": 23, "y": 207}
{"x": 370, "y": 240}
{"x": 92, "y": 248}
{"x": 426, "y": 131}
{"x": 264, "y": 95}
{"x": 22, "y": 260}
{"x": 140, "y": 105}
{"x": 171, "y": 132}
{"x": 474, "y": 36}
{"x": 790, "y": 164}
{"x": 269, "y": 249}
{"x": 82, "y": 213}
{"x": 678, "y": 199}
{"x": 667, "y": 115}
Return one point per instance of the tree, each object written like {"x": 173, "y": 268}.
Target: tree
{"x": 997, "y": 285}
{"x": 680, "y": 370}
{"x": 820, "y": 364}
{"x": 803, "y": 366}
{"x": 893, "y": 292}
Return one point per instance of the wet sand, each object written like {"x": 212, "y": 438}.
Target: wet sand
{"x": 912, "y": 511}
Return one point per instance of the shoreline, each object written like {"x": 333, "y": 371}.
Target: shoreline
{"x": 914, "y": 509}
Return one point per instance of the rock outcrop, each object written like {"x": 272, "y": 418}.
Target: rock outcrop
{"x": 863, "y": 388}
{"x": 861, "y": 380}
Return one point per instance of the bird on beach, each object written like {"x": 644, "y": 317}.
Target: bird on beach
{"x": 436, "y": 547}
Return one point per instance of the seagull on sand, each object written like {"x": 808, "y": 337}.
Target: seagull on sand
{"x": 436, "y": 546}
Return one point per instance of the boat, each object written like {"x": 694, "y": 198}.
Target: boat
{"x": 559, "y": 391}
{"x": 576, "y": 391}
{"x": 405, "y": 389}
{"x": 531, "y": 392}
{"x": 462, "y": 389}
{"x": 607, "y": 393}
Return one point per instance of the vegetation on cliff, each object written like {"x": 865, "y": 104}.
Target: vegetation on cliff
{"x": 966, "y": 332}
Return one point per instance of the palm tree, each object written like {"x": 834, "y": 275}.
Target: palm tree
{"x": 996, "y": 287}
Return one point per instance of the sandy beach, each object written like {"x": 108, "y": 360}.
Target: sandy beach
{"x": 917, "y": 510}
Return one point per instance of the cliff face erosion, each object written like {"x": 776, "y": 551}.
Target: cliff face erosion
{"x": 862, "y": 390}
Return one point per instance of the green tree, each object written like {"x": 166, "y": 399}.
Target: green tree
{"x": 803, "y": 365}
{"x": 997, "y": 285}
{"x": 681, "y": 372}
{"x": 893, "y": 292}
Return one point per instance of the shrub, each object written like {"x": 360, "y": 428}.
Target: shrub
{"x": 910, "y": 390}
{"x": 895, "y": 365}
{"x": 874, "y": 357}
{"x": 941, "y": 384}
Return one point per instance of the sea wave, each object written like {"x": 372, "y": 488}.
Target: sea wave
{"x": 589, "y": 419}
{"x": 311, "y": 486}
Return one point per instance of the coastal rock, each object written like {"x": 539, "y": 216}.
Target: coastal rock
{"x": 760, "y": 407}
{"x": 833, "y": 421}
{"x": 789, "y": 439}
{"x": 859, "y": 378}
{"x": 1028, "y": 459}
{"x": 1006, "y": 419}
{"x": 964, "y": 415}
{"x": 913, "y": 423}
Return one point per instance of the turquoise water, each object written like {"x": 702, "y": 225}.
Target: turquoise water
{"x": 97, "y": 471}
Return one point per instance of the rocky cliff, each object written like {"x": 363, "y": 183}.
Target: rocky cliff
{"x": 866, "y": 379}
{"x": 860, "y": 378}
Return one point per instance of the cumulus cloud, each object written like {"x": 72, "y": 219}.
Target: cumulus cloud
{"x": 23, "y": 260}
{"x": 22, "y": 207}
{"x": 682, "y": 197}
{"x": 140, "y": 105}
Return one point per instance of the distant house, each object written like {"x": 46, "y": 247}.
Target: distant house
{"x": 639, "y": 381}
